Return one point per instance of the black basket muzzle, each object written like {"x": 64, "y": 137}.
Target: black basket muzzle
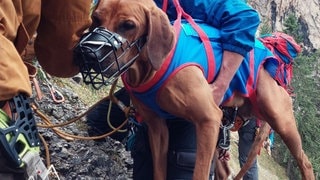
{"x": 100, "y": 56}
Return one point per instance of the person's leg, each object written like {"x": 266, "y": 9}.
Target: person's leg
{"x": 181, "y": 154}
{"x": 246, "y": 138}
{"x": 182, "y": 150}
{"x": 97, "y": 120}
{"x": 14, "y": 75}
{"x": 140, "y": 150}
{"x": 141, "y": 154}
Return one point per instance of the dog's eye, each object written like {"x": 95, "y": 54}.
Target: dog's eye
{"x": 126, "y": 26}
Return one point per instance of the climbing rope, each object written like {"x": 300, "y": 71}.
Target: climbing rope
{"x": 70, "y": 137}
{"x": 55, "y": 94}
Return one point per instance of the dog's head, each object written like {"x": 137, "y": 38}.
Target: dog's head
{"x": 125, "y": 31}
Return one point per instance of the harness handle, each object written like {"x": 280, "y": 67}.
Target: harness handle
{"x": 202, "y": 35}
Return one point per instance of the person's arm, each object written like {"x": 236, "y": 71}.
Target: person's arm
{"x": 230, "y": 64}
{"x": 61, "y": 26}
{"x": 237, "y": 23}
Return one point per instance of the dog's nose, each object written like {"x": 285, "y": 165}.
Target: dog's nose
{"x": 96, "y": 22}
{"x": 92, "y": 48}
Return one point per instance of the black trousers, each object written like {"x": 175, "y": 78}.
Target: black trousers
{"x": 181, "y": 154}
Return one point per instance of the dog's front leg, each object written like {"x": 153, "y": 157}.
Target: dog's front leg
{"x": 207, "y": 133}
{"x": 158, "y": 139}
{"x": 189, "y": 96}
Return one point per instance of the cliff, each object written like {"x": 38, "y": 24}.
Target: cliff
{"x": 307, "y": 12}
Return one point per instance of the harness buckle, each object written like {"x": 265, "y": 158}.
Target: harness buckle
{"x": 133, "y": 126}
{"x": 229, "y": 117}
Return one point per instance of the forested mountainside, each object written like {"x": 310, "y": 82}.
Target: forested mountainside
{"x": 307, "y": 13}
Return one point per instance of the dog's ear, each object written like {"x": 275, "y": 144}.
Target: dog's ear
{"x": 160, "y": 39}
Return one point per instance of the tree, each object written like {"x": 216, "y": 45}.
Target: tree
{"x": 265, "y": 28}
{"x": 292, "y": 27}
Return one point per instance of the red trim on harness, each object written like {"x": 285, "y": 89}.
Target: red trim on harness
{"x": 206, "y": 42}
{"x": 250, "y": 88}
{"x": 165, "y": 5}
{"x": 250, "y": 82}
{"x": 177, "y": 26}
{"x": 166, "y": 63}
{"x": 175, "y": 72}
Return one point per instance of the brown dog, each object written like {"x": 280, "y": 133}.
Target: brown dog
{"x": 187, "y": 93}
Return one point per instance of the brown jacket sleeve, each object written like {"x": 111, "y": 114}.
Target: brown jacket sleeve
{"x": 61, "y": 25}
{"x": 14, "y": 36}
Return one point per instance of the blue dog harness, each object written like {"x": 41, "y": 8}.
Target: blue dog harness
{"x": 192, "y": 49}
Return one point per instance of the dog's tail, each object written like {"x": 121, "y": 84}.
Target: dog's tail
{"x": 222, "y": 168}
{"x": 255, "y": 149}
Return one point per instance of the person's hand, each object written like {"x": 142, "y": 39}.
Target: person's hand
{"x": 230, "y": 64}
{"x": 224, "y": 155}
{"x": 218, "y": 92}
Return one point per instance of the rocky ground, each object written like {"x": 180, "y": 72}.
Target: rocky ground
{"x": 78, "y": 159}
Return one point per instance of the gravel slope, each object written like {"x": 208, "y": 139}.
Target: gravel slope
{"x": 79, "y": 159}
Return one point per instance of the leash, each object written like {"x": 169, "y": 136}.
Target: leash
{"x": 70, "y": 137}
{"x": 67, "y": 136}
{"x": 32, "y": 70}
{"x": 55, "y": 94}
{"x": 119, "y": 103}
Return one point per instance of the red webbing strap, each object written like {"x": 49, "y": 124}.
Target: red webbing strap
{"x": 204, "y": 38}
{"x": 250, "y": 83}
{"x": 165, "y": 5}
{"x": 258, "y": 122}
{"x": 177, "y": 22}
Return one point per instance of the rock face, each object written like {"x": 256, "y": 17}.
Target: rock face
{"x": 275, "y": 12}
